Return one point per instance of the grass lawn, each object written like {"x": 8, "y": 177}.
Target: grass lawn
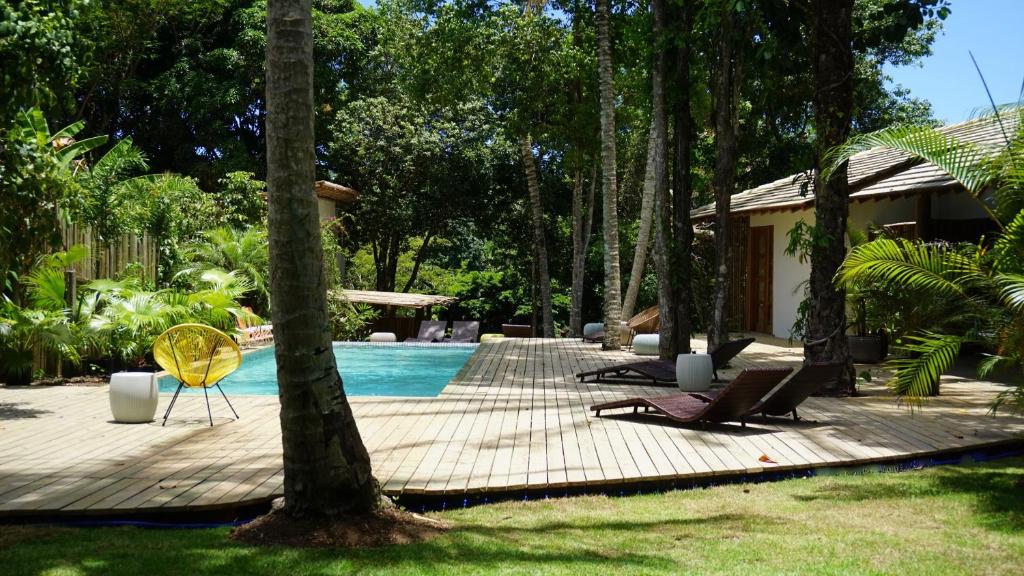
{"x": 953, "y": 520}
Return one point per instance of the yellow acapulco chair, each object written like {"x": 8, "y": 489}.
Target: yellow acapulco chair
{"x": 199, "y": 357}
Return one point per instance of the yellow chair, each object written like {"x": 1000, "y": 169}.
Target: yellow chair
{"x": 199, "y": 357}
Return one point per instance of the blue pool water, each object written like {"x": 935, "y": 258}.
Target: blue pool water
{"x": 367, "y": 369}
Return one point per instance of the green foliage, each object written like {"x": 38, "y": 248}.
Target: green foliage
{"x": 37, "y": 190}
{"x": 242, "y": 251}
{"x": 349, "y": 322}
{"x": 113, "y": 322}
{"x": 974, "y": 294}
{"x": 39, "y": 58}
{"x": 241, "y": 201}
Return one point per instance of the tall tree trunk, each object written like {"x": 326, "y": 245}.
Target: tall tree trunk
{"x": 326, "y": 466}
{"x": 612, "y": 281}
{"x": 833, "y": 103}
{"x": 726, "y": 96}
{"x": 576, "y": 293}
{"x": 682, "y": 226}
{"x": 419, "y": 260}
{"x": 643, "y": 236}
{"x": 583, "y": 222}
{"x": 540, "y": 245}
{"x": 664, "y": 245}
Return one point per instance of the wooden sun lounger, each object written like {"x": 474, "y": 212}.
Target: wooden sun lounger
{"x": 786, "y": 398}
{"x": 430, "y": 331}
{"x": 721, "y": 356}
{"x": 657, "y": 371}
{"x": 663, "y": 371}
{"x": 464, "y": 331}
{"x": 733, "y": 403}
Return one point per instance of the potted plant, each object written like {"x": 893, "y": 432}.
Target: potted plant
{"x": 866, "y": 346}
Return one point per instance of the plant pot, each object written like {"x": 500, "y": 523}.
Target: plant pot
{"x": 870, "y": 349}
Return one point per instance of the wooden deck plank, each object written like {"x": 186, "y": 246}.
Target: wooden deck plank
{"x": 514, "y": 418}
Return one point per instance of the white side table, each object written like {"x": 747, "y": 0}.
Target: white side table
{"x": 383, "y": 337}
{"x": 694, "y": 372}
{"x": 133, "y": 396}
{"x": 646, "y": 344}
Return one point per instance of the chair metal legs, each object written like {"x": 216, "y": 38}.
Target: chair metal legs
{"x": 228, "y": 401}
{"x": 209, "y": 411}
{"x": 173, "y": 400}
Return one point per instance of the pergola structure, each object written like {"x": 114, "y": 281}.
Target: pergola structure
{"x": 390, "y": 302}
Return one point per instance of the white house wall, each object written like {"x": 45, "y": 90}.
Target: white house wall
{"x": 789, "y": 276}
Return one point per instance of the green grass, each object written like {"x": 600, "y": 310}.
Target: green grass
{"x": 952, "y": 520}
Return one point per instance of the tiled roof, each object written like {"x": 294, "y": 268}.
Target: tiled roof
{"x": 873, "y": 174}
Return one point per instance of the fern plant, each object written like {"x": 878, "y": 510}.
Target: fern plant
{"x": 987, "y": 284}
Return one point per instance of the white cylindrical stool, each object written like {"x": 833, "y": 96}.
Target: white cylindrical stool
{"x": 383, "y": 337}
{"x": 592, "y": 328}
{"x": 646, "y": 344}
{"x": 133, "y": 396}
{"x": 694, "y": 372}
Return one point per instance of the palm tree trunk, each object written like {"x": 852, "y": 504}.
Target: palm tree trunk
{"x": 726, "y": 99}
{"x": 540, "y": 246}
{"x": 612, "y": 281}
{"x": 576, "y": 293}
{"x": 643, "y": 236}
{"x": 326, "y": 466}
{"x": 833, "y": 104}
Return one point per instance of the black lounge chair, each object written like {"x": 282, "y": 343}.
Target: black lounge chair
{"x": 657, "y": 371}
{"x": 721, "y": 356}
{"x": 733, "y": 403}
{"x": 464, "y": 331}
{"x": 785, "y": 399}
{"x": 430, "y": 331}
{"x": 663, "y": 371}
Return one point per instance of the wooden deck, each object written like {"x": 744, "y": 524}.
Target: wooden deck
{"x": 514, "y": 419}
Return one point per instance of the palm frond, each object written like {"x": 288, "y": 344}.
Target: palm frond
{"x": 916, "y": 375}
{"x": 1009, "y": 245}
{"x": 961, "y": 159}
{"x": 901, "y": 263}
{"x": 1011, "y": 290}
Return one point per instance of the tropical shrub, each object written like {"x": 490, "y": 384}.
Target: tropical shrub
{"x": 349, "y": 322}
{"x": 985, "y": 284}
{"x": 240, "y": 201}
{"x": 111, "y": 322}
{"x": 243, "y": 251}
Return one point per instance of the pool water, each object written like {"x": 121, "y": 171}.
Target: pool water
{"x": 421, "y": 370}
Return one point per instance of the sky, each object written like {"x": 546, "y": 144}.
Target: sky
{"x": 994, "y": 31}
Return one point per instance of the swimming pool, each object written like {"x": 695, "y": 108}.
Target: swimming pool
{"x": 368, "y": 369}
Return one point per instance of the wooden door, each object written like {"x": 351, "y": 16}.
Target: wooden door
{"x": 759, "y": 285}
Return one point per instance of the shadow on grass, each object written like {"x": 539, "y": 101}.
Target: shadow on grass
{"x": 469, "y": 548}
{"x": 996, "y": 490}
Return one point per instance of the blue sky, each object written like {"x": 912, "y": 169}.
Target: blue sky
{"x": 994, "y": 31}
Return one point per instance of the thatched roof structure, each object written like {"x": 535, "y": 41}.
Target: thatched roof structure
{"x": 336, "y": 192}
{"x": 397, "y": 299}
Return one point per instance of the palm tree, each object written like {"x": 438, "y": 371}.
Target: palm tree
{"x": 539, "y": 243}
{"x": 241, "y": 251}
{"x": 612, "y": 282}
{"x": 655, "y": 169}
{"x": 327, "y": 469}
{"x": 986, "y": 283}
